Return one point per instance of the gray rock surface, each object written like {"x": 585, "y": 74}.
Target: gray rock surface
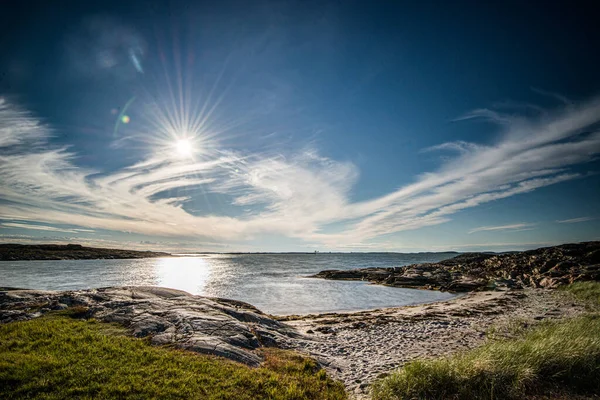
{"x": 225, "y": 328}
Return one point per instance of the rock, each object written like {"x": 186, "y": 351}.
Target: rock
{"x": 546, "y": 267}
{"x": 466, "y": 284}
{"x": 498, "y": 284}
{"x": 549, "y": 283}
{"x": 59, "y": 306}
{"x": 221, "y": 327}
{"x": 325, "y": 329}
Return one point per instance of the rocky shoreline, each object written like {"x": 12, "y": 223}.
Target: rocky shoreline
{"x": 545, "y": 267}
{"x": 16, "y": 252}
{"x": 226, "y": 328}
{"x": 355, "y": 348}
{"x": 359, "y": 347}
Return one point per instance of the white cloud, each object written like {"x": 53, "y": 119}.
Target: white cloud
{"x": 18, "y": 127}
{"x": 575, "y": 220}
{"x": 40, "y": 227}
{"x": 493, "y": 246}
{"x": 294, "y": 195}
{"x": 459, "y": 146}
{"x": 512, "y": 227}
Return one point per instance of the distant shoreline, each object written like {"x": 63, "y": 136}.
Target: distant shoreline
{"x": 26, "y": 252}
{"x": 32, "y": 252}
{"x": 317, "y": 253}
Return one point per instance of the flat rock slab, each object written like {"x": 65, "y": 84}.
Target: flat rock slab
{"x": 226, "y": 328}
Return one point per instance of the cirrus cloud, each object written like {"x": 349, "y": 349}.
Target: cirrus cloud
{"x": 511, "y": 227}
{"x": 575, "y": 220}
{"x": 295, "y": 195}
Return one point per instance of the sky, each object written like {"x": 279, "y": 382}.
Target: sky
{"x": 299, "y": 125}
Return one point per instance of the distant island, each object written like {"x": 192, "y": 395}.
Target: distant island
{"x": 14, "y": 252}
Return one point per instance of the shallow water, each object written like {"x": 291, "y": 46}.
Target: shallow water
{"x": 275, "y": 283}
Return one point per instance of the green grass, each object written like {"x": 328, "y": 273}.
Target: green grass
{"x": 588, "y": 292}
{"x": 58, "y": 357}
{"x": 553, "y": 357}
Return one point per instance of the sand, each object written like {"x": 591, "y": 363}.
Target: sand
{"x": 358, "y": 348}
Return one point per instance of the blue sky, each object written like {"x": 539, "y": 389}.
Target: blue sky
{"x": 299, "y": 126}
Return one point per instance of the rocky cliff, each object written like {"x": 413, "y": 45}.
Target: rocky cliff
{"x": 546, "y": 267}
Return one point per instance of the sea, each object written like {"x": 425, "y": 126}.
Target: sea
{"x": 277, "y": 284}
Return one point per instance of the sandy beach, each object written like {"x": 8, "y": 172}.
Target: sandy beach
{"x": 359, "y": 347}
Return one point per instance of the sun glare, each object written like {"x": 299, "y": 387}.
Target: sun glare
{"x": 184, "y": 147}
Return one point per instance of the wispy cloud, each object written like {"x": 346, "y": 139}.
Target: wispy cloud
{"x": 43, "y": 227}
{"x": 512, "y": 227}
{"x": 493, "y": 246}
{"x": 295, "y": 195}
{"x": 459, "y": 146}
{"x": 557, "y": 96}
{"x": 575, "y": 220}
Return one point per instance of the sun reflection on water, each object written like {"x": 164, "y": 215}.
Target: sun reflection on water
{"x": 185, "y": 273}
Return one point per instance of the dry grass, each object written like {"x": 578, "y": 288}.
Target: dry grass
{"x": 551, "y": 358}
{"x": 58, "y": 357}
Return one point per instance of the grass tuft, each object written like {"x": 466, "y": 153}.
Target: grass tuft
{"x": 588, "y": 292}
{"x": 552, "y": 356}
{"x": 59, "y": 357}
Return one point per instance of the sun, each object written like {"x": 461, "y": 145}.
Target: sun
{"x": 184, "y": 147}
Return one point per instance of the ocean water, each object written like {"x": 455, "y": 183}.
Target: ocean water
{"x": 275, "y": 283}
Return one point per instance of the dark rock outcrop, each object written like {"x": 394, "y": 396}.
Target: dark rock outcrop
{"x": 220, "y": 327}
{"x": 13, "y": 252}
{"x": 547, "y": 267}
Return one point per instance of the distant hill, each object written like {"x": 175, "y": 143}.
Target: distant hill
{"x": 13, "y": 252}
